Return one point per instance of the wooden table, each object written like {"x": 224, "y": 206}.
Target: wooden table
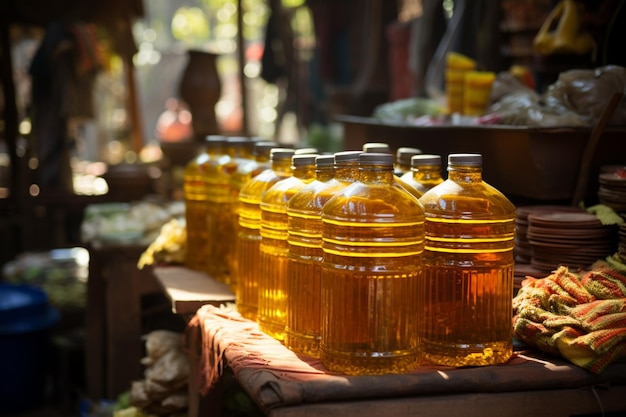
{"x": 114, "y": 346}
{"x": 189, "y": 290}
{"x": 285, "y": 385}
{"x": 115, "y": 315}
{"x": 282, "y": 384}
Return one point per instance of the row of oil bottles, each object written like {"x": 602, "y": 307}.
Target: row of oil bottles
{"x": 367, "y": 259}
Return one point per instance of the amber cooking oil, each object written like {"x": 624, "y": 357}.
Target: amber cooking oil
{"x": 196, "y": 209}
{"x": 274, "y": 249}
{"x": 304, "y": 236}
{"x": 465, "y": 294}
{"x": 373, "y": 237}
{"x": 249, "y": 238}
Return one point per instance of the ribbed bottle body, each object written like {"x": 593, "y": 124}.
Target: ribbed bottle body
{"x": 222, "y": 231}
{"x": 465, "y": 294}
{"x": 249, "y": 237}
{"x": 372, "y": 235}
{"x": 304, "y": 228}
{"x": 244, "y": 173}
{"x": 195, "y": 214}
{"x": 272, "y": 313}
{"x": 217, "y": 180}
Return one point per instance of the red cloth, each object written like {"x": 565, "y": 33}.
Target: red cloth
{"x": 276, "y": 377}
{"x": 228, "y": 335}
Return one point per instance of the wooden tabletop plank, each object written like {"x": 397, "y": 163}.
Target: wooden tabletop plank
{"x": 188, "y": 290}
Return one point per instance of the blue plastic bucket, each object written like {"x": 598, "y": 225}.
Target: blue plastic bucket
{"x": 25, "y": 320}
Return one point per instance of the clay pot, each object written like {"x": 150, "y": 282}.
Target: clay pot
{"x": 201, "y": 88}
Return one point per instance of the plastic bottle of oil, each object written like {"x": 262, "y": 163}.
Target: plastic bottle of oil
{"x": 195, "y": 191}
{"x": 304, "y": 230}
{"x": 244, "y": 173}
{"x": 274, "y": 247}
{"x": 219, "y": 225}
{"x": 249, "y": 239}
{"x": 373, "y": 238}
{"x": 465, "y": 293}
{"x": 425, "y": 172}
{"x": 403, "y": 159}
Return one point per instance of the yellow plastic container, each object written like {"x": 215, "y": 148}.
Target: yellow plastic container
{"x": 457, "y": 65}
{"x": 477, "y": 91}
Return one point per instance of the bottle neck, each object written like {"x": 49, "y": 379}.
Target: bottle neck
{"x": 215, "y": 150}
{"x": 282, "y": 167}
{"x": 426, "y": 172}
{"x": 403, "y": 166}
{"x": 376, "y": 174}
{"x": 325, "y": 174}
{"x": 305, "y": 172}
{"x": 262, "y": 157}
{"x": 244, "y": 153}
{"x": 234, "y": 151}
{"x": 347, "y": 172}
{"x": 464, "y": 173}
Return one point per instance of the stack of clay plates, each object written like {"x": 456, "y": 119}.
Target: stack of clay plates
{"x": 575, "y": 240}
{"x": 612, "y": 187}
{"x": 523, "y": 248}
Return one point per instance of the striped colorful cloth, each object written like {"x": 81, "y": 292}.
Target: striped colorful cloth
{"x": 581, "y": 317}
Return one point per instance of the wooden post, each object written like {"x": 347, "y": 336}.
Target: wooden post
{"x": 241, "y": 56}
{"x": 136, "y": 135}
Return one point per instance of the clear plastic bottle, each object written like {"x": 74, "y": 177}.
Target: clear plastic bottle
{"x": 274, "y": 248}
{"x": 465, "y": 292}
{"x": 219, "y": 224}
{"x": 425, "y": 172}
{"x": 249, "y": 239}
{"x": 244, "y": 173}
{"x": 304, "y": 229}
{"x": 195, "y": 191}
{"x": 373, "y": 238}
{"x": 403, "y": 159}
